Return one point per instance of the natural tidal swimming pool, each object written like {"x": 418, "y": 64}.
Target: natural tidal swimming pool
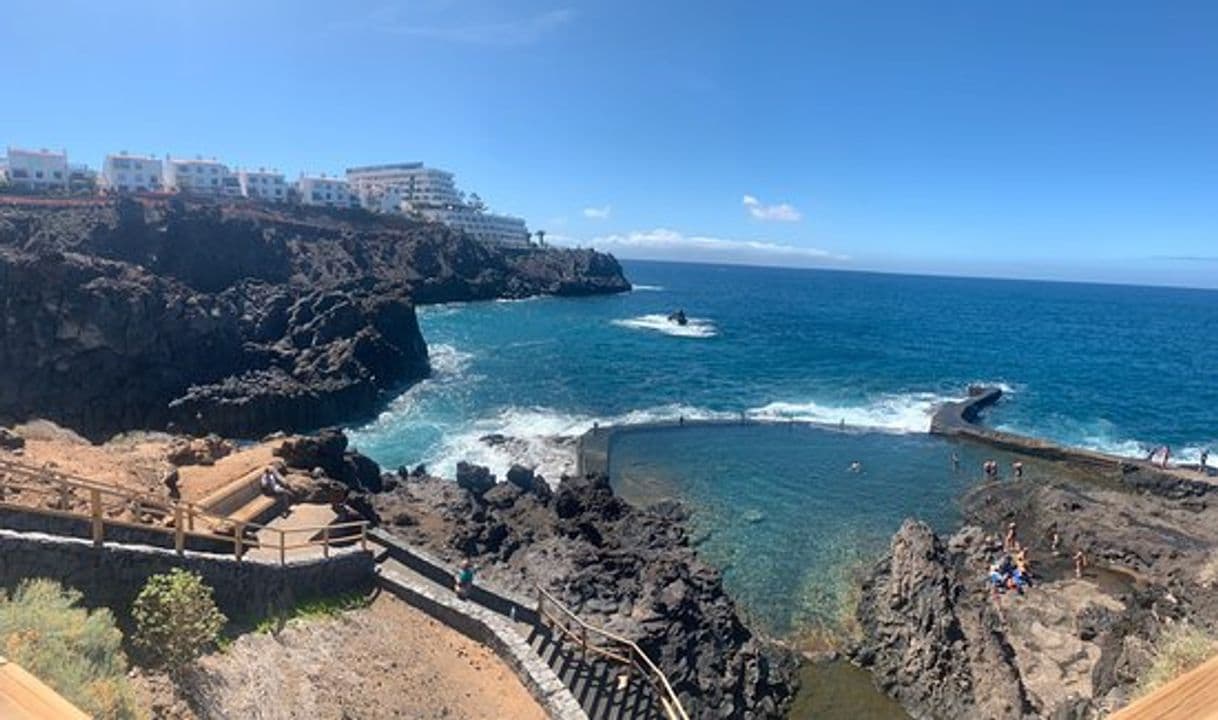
{"x": 780, "y": 511}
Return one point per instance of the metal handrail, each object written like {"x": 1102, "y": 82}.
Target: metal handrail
{"x": 183, "y": 513}
{"x": 637, "y": 658}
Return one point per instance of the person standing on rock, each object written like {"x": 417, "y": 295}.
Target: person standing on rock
{"x": 465, "y": 579}
{"x": 1017, "y": 468}
{"x": 1205, "y": 457}
{"x": 1011, "y": 542}
{"x": 1080, "y": 563}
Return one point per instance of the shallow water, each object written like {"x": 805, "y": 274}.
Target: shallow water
{"x": 838, "y": 690}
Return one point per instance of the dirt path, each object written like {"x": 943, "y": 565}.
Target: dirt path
{"x": 386, "y": 661}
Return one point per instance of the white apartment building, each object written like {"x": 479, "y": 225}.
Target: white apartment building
{"x": 433, "y": 194}
{"x": 132, "y": 173}
{"x": 417, "y": 186}
{"x": 484, "y": 226}
{"x": 200, "y": 177}
{"x": 38, "y": 170}
{"x": 262, "y": 184}
{"x": 322, "y": 190}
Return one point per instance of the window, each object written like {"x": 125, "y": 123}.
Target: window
{"x": 38, "y": 174}
{"x": 214, "y": 181}
{"x": 214, "y": 171}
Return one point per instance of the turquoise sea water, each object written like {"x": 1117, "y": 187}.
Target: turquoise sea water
{"x": 1107, "y": 367}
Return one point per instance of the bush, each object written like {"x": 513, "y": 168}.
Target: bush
{"x": 176, "y": 619}
{"x": 1180, "y": 648}
{"x": 76, "y": 652}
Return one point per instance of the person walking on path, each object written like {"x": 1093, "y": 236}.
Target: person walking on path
{"x": 465, "y": 579}
{"x": 1080, "y": 564}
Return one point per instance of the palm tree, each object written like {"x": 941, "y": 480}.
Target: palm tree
{"x": 541, "y": 237}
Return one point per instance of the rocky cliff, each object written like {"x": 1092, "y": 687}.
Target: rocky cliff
{"x": 233, "y": 318}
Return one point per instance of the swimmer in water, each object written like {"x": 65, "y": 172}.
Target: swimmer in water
{"x": 856, "y": 466}
{"x": 955, "y": 461}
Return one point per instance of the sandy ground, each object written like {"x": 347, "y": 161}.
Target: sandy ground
{"x": 135, "y": 461}
{"x": 385, "y": 661}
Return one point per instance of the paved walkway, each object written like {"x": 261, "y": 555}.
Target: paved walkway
{"x": 301, "y": 517}
{"x": 1192, "y": 696}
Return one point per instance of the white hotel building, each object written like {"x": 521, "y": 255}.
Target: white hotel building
{"x": 132, "y": 173}
{"x": 263, "y": 184}
{"x": 322, "y": 190}
{"x": 200, "y": 177}
{"x": 432, "y": 194}
{"x": 37, "y": 170}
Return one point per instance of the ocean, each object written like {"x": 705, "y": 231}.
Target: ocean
{"x": 1114, "y": 368}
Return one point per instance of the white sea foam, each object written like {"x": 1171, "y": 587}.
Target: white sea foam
{"x": 541, "y": 438}
{"x": 906, "y": 413}
{"x": 695, "y": 328}
{"x": 647, "y": 288}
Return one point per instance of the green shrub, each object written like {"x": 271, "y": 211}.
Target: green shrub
{"x": 76, "y": 652}
{"x": 1180, "y": 648}
{"x": 176, "y": 619}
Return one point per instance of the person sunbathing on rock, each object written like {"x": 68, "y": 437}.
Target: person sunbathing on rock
{"x": 271, "y": 483}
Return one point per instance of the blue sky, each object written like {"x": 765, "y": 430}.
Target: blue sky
{"x": 1036, "y": 139}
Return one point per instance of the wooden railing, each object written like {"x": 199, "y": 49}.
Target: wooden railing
{"x": 46, "y": 491}
{"x": 596, "y": 640}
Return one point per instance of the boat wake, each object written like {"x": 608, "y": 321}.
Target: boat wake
{"x": 696, "y": 327}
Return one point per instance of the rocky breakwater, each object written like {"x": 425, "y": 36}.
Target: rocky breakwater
{"x": 1069, "y": 647}
{"x": 630, "y": 570}
{"x": 236, "y": 319}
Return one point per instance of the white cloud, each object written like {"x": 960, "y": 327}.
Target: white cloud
{"x": 667, "y": 244}
{"x": 782, "y": 212}
{"x": 598, "y": 213}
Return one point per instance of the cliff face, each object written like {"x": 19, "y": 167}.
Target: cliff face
{"x": 235, "y": 319}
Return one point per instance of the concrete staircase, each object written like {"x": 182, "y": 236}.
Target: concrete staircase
{"x": 593, "y": 681}
{"x": 241, "y": 501}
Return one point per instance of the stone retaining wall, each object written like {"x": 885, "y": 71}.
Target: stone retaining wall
{"x": 113, "y": 575}
{"x": 82, "y": 527}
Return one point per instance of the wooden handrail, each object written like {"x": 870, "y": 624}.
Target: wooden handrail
{"x": 637, "y": 658}
{"x": 183, "y": 513}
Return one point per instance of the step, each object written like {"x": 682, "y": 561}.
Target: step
{"x": 261, "y": 508}
{"x": 230, "y": 497}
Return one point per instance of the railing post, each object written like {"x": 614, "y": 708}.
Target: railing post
{"x": 325, "y": 541}
{"x": 583, "y": 643}
{"x": 95, "y": 509}
{"x": 179, "y": 532}
{"x": 282, "y": 551}
{"x": 63, "y": 496}
{"x": 363, "y": 537}
{"x": 190, "y": 518}
{"x": 238, "y": 539}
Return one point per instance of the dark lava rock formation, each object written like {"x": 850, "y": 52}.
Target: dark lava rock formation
{"x": 1068, "y": 648}
{"x": 630, "y": 570}
{"x": 232, "y": 318}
